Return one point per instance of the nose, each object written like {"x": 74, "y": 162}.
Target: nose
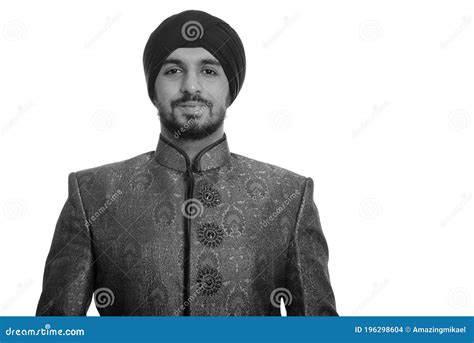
{"x": 191, "y": 83}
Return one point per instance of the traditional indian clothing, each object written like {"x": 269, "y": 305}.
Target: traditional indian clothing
{"x": 159, "y": 235}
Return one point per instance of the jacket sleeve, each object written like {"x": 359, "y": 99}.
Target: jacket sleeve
{"x": 307, "y": 274}
{"x": 68, "y": 275}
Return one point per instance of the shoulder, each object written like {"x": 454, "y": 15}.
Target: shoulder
{"x": 104, "y": 173}
{"x": 275, "y": 175}
{"x": 259, "y": 166}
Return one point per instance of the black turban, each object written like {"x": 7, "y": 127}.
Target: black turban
{"x": 190, "y": 29}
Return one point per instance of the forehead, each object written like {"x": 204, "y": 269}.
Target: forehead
{"x": 190, "y": 55}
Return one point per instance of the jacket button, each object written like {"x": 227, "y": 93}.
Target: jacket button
{"x": 210, "y": 234}
{"x": 209, "y": 280}
{"x": 209, "y": 196}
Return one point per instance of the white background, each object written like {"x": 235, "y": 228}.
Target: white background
{"x": 372, "y": 99}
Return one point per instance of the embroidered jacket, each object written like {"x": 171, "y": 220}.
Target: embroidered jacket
{"x": 159, "y": 235}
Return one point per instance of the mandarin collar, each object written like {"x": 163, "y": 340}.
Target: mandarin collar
{"x": 212, "y": 156}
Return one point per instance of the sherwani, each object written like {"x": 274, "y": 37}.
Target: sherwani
{"x": 159, "y": 234}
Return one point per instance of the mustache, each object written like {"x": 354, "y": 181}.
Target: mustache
{"x": 189, "y": 97}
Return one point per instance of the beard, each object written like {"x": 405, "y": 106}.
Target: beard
{"x": 194, "y": 128}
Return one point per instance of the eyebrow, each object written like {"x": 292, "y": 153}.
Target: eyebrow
{"x": 203, "y": 61}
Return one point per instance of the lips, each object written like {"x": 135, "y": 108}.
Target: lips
{"x": 194, "y": 108}
{"x": 191, "y": 104}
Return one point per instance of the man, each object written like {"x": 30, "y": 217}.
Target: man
{"x": 189, "y": 229}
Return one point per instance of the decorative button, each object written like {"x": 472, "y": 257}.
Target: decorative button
{"x": 210, "y": 234}
{"x": 209, "y": 280}
{"x": 209, "y": 196}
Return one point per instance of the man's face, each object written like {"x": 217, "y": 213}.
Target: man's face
{"x": 191, "y": 93}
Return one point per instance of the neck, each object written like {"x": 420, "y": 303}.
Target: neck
{"x": 193, "y": 146}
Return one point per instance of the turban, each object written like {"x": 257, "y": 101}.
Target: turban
{"x": 190, "y": 29}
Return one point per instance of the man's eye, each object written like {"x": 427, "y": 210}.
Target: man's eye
{"x": 210, "y": 72}
{"x": 172, "y": 71}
